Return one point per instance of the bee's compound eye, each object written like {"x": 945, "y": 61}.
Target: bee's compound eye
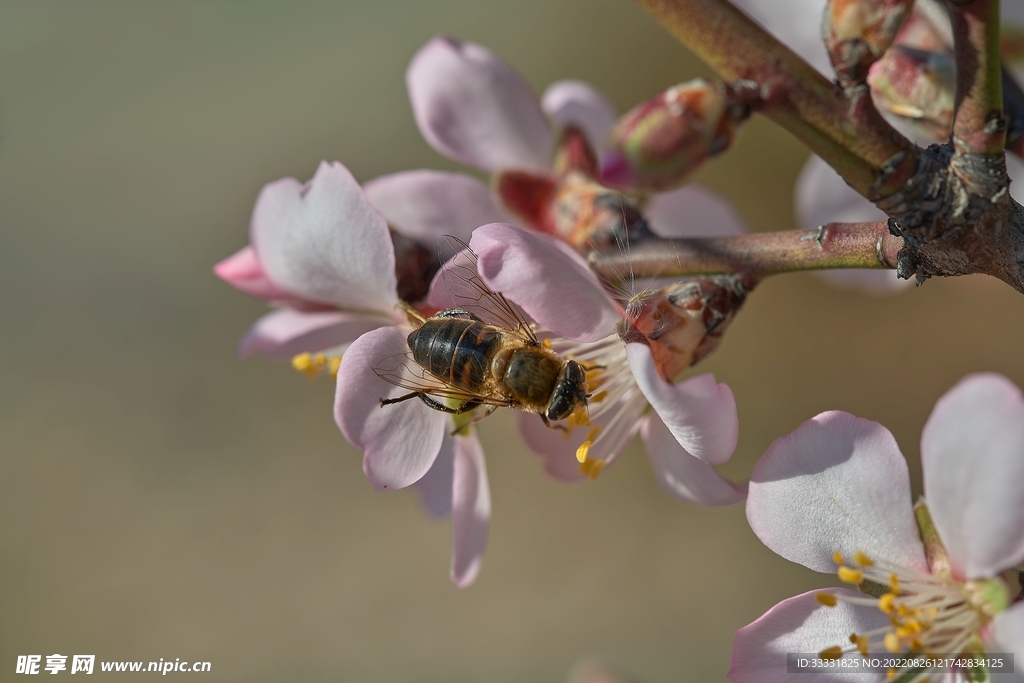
{"x": 560, "y": 407}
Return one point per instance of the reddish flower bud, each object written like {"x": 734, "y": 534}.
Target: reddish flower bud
{"x": 857, "y": 32}
{"x": 660, "y": 142}
{"x": 916, "y": 85}
{"x": 684, "y": 322}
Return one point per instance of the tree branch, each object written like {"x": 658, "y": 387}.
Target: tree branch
{"x": 848, "y": 133}
{"x": 755, "y": 256}
{"x": 979, "y": 126}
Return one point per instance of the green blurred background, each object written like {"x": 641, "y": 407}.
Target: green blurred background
{"x": 161, "y": 499}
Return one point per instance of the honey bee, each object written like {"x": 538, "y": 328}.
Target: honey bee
{"x": 482, "y": 353}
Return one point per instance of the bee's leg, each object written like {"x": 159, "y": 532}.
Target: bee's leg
{"x": 389, "y": 401}
{"x": 457, "y": 313}
{"x": 474, "y": 420}
{"x": 437, "y": 405}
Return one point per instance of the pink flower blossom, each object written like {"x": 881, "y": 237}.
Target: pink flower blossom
{"x": 474, "y": 108}
{"x": 693, "y": 425}
{"x": 322, "y": 250}
{"x": 408, "y": 443}
{"x": 937, "y": 577}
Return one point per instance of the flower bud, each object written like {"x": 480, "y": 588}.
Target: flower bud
{"x": 918, "y": 86}
{"x": 857, "y": 32}
{"x": 684, "y": 322}
{"x": 660, "y": 142}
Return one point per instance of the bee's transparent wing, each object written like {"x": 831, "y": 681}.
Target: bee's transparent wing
{"x": 401, "y": 370}
{"x": 468, "y": 291}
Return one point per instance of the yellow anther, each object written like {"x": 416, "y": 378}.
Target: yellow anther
{"x": 834, "y": 652}
{"x": 591, "y": 468}
{"x": 581, "y": 452}
{"x": 862, "y": 645}
{"x": 594, "y": 431}
{"x": 302, "y": 361}
{"x": 826, "y": 599}
{"x": 891, "y": 642}
{"x": 890, "y": 673}
{"x": 580, "y": 418}
{"x": 901, "y": 610}
{"x": 894, "y": 584}
{"x": 546, "y": 343}
{"x": 334, "y": 365}
{"x": 599, "y": 396}
{"x": 863, "y": 560}
{"x": 887, "y": 603}
{"x": 848, "y": 575}
{"x": 838, "y": 558}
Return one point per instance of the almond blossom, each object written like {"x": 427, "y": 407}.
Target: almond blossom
{"x": 693, "y": 424}
{"x": 322, "y": 251}
{"x": 474, "y": 108}
{"x": 938, "y": 577}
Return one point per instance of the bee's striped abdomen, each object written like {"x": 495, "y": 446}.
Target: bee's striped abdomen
{"x": 456, "y": 350}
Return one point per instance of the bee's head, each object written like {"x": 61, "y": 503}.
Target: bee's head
{"x": 570, "y": 392}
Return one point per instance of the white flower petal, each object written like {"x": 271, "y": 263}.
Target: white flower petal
{"x": 435, "y": 488}
{"x": 700, "y": 412}
{"x": 683, "y": 475}
{"x": 837, "y": 483}
{"x": 325, "y": 242}
{"x": 424, "y": 205}
{"x": 692, "y": 211}
{"x": 800, "y": 625}
{"x": 797, "y": 24}
{"x": 399, "y": 441}
{"x": 972, "y": 452}
{"x": 471, "y": 510}
{"x": 580, "y": 104}
{"x": 474, "y": 108}
{"x": 285, "y": 332}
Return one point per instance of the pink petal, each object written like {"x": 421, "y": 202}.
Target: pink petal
{"x": 399, "y": 441}
{"x": 579, "y": 104}
{"x": 972, "y": 452}
{"x": 555, "y": 288}
{"x": 822, "y": 196}
{"x": 242, "y": 270}
{"x": 324, "y": 241}
{"x": 799, "y": 625}
{"x": 471, "y": 510}
{"x": 692, "y": 211}
{"x": 285, "y": 332}
{"x": 797, "y": 24}
{"x": 683, "y": 475}
{"x": 435, "y": 488}
{"x": 424, "y": 205}
{"x": 474, "y": 108}
{"x": 837, "y": 483}
{"x": 1006, "y": 634}
{"x": 700, "y": 413}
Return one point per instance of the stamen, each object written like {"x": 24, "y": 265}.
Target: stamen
{"x": 591, "y": 468}
{"x": 827, "y": 599}
{"x": 834, "y": 652}
{"x": 863, "y": 560}
{"x": 311, "y": 365}
{"x": 581, "y": 452}
{"x": 838, "y": 558}
{"x": 848, "y": 575}
{"x": 599, "y": 396}
{"x": 887, "y": 603}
